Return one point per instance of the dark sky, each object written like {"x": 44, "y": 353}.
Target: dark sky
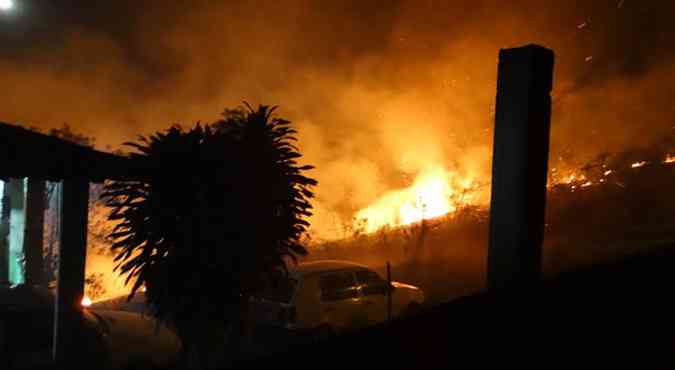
{"x": 413, "y": 78}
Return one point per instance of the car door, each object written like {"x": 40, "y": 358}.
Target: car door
{"x": 341, "y": 306}
{"x": 373, "y": 289}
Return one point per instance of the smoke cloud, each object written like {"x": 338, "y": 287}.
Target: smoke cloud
{"x": 378, "y": 89}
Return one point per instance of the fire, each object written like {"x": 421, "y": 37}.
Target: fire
{"x": 86, "y": 301}
{"x": 572, "y": 178}
{"x": 638, "y": 164}
{"x": 430, "y": 196}
{"x": 669, "y": 159}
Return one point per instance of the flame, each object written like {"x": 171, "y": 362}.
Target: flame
{"x": 608, "y": 172}
{"x": 86, "y": 301}
{"x": 430, "y": 196}
{"x": 572, "y": 178}
{"x": 669, "y": 159}
{"x": 638, "y": 164}
{"x": 587, "y": 184}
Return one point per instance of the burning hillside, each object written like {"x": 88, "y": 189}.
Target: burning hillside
{"x": 394, "y": 102}
{"x": 435, "y": 192}
{"x": 384, "y": 95}
{"x": 602, "y": 211}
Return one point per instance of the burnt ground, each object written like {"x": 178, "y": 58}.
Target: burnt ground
{"x": 619, "y": 313}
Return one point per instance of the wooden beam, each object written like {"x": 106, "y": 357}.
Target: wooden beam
{"x": 519, "y": 167}
{"x": 72, "y": 258}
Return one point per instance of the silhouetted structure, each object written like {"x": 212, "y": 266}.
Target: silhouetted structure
{"x": 34, "y": 232}
{"x": 520, "y": 161}
{"x": 38, "y": 157}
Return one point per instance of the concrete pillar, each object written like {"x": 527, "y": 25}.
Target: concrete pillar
{"x": 16, "y": 192}
{"x": 520, "y": 164}
{"x": 33, "y": 232}
{"x": 5, "y": 212}
{"x": 72, "y": 258}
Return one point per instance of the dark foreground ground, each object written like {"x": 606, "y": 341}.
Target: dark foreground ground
{"x": 616, "y": 314}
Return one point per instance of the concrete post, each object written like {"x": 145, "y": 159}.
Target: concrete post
{"x": 5, "y": 212}
{"x": 520, "y": 164}
{"x": 72, "y": 258}
{"x": 16, "y": 192}
{"x": 34, "y": 237}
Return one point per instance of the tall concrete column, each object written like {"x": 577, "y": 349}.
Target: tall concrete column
{"x": 15, "y": 189}
{"x": 5, "y": 212}
{"x": 34, "y": 232}
{"x": 72, "y": 258}
{"x": 519, "y": 168}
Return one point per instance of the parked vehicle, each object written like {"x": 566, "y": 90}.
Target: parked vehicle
{"x": 106, "y": 339}
{"x": 334, "y": 296}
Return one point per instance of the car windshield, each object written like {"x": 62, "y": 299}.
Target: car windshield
{"x": 280, "y": 290}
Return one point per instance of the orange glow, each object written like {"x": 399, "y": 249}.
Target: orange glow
{"x": 587, "y": 184}
{"x": 86, "y": 301}
{"x": 669, "y": 159}
{"x": 431, "y": 195}
{"x": 638, "y": 164}
{"x": 572, "y": 178}
{"x": 608, "y": 172}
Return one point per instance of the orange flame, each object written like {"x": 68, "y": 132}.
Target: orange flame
{"x": 669, "y": 159}
{"x": 638, "y": 164}
{"x": 430, "y": 196}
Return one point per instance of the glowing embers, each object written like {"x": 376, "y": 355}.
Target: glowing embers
{"x": 638, "y": 164}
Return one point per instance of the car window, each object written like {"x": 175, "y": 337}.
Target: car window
{"x": 371, "y": 283}
{"x": 338, "y": 286}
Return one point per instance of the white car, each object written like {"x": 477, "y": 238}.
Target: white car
{"x": 334, "y": 296}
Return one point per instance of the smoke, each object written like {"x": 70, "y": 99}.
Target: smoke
{"x": 379, "y": 90}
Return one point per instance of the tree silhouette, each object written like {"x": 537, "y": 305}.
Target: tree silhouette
{"x": 222, "y": 208}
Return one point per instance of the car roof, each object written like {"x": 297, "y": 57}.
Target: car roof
{"x": 313, "y": 267}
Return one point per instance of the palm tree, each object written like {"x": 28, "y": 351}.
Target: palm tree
{"x": 223, "y": 206}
